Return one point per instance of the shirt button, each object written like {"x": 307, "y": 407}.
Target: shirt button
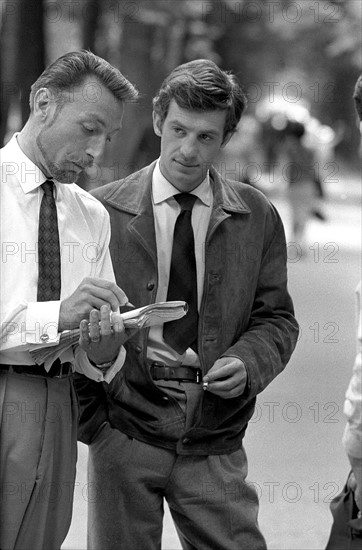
{"x": 44, "y": 337}
{"x": 150, "y": 285}
{"x": 138, "y": 349}
{"x": 165, "y": 398}
{"x": 186, "y": 440}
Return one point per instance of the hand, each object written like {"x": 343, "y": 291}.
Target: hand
{"x": 227, "y": 377}
{"x": 102, "y": 338}
{"x": 91, "y": 293}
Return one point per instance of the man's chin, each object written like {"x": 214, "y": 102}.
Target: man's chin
{"x": 67, "y": 177}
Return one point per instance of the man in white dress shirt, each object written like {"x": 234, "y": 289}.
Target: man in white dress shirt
{"x": 76, "y": 106}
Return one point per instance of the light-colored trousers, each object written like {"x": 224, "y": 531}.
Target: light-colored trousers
{"x": 38, "y": 453}
{"x": 212, "y": 505}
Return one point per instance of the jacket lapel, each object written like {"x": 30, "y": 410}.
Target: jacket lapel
{"x": 134, "y": 196}
{"x": 226, "y": 201}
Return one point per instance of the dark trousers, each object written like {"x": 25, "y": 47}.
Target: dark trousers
{"x": 211, "y": 504}
{"x": 38, "y": 452}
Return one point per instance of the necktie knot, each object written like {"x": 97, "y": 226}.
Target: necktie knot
{"x": 186, "y": 201}
{"x": 47, "y": 187}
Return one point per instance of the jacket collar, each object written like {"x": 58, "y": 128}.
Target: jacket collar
{"x": 133, "y": 194}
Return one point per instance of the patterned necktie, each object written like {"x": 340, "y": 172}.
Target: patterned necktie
{"x": 48, "y": 247}
{"x": 182, "y": 333}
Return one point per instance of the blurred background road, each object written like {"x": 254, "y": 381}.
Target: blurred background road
{"x": 296, "y": 459}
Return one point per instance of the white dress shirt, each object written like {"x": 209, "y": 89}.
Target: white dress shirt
{"x": 166, "y": 210}
{"x": 84, "y": 233}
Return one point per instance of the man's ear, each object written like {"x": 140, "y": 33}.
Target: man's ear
{"x": 157, "y": 124}
{"x": 43, "y": 100}
{"x": 227, "y": 139}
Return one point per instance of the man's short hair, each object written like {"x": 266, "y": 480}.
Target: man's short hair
{"x": 201, "y": 85}
{"x": 357, "y": 96}
{"x": 71, "y": 69}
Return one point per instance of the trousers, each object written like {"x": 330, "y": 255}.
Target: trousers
{"x": 210, "y": 501}
{"x": 38, "y": 453}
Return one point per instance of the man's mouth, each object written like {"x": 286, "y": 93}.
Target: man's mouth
{"x": 186, "y": 164}
{"x": 80, "y": 166}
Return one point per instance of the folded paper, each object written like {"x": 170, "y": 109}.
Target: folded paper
{"x": 143, "y": 317}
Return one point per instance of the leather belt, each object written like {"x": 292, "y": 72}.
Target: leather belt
{"x": 183, "y": 374}
{"x": 57, "y": 370}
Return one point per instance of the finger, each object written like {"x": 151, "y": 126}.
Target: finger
{"x": 84, "y": 333}
{"x": 116, "y": 295}
{"x": 117, "y": 323}
{"x": 106, "y": 328}
{"x": 98, "y": 297}
{"x": 219, "y": 372}
{"x": 94, "y": 332}
{"x": 226, "y": 385}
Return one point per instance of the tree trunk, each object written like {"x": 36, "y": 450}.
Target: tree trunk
{"x": 30, "y": 50}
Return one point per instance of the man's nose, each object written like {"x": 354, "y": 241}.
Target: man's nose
{"x": 188, "y": 148}
{"x": 96, "y": 147}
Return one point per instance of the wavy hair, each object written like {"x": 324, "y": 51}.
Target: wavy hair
{"x": 201, "y": 85}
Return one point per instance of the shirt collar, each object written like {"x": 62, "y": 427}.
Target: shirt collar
{"x": 29, "y": 175}
{"x": 162, "y": 189}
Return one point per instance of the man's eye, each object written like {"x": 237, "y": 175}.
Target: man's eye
{"x": 205, "y": 137}
{"x": 178, "y": 130}
{"x": 88, "y": 129}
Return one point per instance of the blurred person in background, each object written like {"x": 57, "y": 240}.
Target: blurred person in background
{"x": 242, "y": 158}
{"x": 56, "y": 269}
{"x": 347, "y": 524}
{"x": 170, "y": 425}
{"x": 298, "y": 171}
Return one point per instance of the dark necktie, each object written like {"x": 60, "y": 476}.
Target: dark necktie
{"x": 48, "y": 247}
{"x": 182, "y": 333}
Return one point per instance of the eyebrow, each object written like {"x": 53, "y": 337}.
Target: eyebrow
{"x": 95, "y": 118}
{"x": 209, "y": 131}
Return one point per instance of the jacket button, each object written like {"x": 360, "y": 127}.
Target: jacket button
{"x": 138, "y": 349}
{"x": 186, "y": 441}
{"x": 150, "y": 285}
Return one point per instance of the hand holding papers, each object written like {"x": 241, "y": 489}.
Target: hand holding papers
{"x": 143, "y": 317}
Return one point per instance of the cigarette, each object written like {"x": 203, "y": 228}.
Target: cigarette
{"x": 205, "y": 385}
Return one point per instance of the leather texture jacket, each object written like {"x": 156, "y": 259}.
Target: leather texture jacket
{"x": 246, "y": 312}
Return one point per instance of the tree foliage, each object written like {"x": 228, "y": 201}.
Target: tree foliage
{"x": 305, "y": 50}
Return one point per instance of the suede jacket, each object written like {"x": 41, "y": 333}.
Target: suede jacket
{"x": 246, "y": 312}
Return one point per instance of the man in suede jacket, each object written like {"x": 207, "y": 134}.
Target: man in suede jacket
{"x": 171, "y": 424}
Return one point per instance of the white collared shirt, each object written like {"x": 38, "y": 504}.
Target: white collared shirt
{"x": 166, "y": 210}
{"x": 84, "y": 233}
